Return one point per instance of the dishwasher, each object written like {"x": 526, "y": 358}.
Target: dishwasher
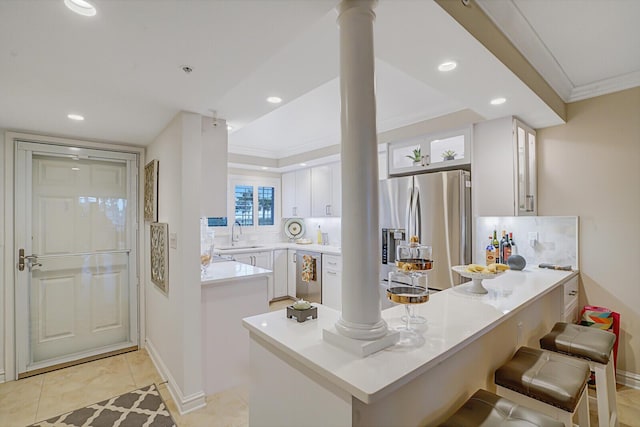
{"x": 309, "y": 276}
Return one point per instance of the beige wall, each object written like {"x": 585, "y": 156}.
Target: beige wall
{"x": 590, "y": 167}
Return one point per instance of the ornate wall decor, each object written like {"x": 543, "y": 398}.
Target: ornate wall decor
{"x": 159, "y": 237}
{"x": 151, "y": 191}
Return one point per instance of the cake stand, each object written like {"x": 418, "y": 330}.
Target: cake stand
{"x": 476, "y": 279}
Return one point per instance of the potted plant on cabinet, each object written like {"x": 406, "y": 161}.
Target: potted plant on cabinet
{"x": 449, "y": 155}
{"x": 416, "y": 157}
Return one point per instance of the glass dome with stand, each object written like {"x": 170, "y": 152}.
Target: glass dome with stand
{"x": 407, "y": 285}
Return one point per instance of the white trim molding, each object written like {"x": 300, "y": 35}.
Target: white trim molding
{"x": 628, "y": 379}
{"x": 184, "y": 404}
{"x": 509, "y": 19}
{"x": 2, "y": 377}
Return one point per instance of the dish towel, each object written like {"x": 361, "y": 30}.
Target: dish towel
{"x": 308, "y": 268}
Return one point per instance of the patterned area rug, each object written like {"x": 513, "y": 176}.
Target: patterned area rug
{"x": 138, "y": 408}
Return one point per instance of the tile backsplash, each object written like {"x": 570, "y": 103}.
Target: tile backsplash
{"x": 556, "y": 243}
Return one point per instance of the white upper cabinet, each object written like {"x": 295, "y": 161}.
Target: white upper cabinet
{"x": 504, "y": 168}
{"x": 524, "y": 142}
{"x": 296, "y": 194}
{"x": 326, "y": 190}
{"x": 437, "y": 151}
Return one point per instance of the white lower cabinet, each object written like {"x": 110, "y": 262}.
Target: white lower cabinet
{"x": 291, "y": 273}
{"x": 280, "y": 273}
{"x": 571, "y": 310}
{"x": 259, "y": 259}
{"x": 332, "y": 281}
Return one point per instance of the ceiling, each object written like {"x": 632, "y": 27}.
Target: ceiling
{"x": 122, "y": 69}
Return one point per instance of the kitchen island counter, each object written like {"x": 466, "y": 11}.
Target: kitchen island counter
{"x": 465, "y": 338}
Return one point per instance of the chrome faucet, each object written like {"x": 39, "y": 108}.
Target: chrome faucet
{"x": 235, "y": 236}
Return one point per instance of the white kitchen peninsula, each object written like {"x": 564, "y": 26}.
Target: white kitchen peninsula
{"x": 297, "y": 379}
{"x": 230, "y": 291}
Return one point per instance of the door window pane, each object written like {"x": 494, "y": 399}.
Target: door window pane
{"x": 244, "y": 204}
{"x": 266, "y": 203}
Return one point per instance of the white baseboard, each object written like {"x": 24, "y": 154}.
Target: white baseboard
{"x": 185, "y": 404}
{"x": 628, "y": 379}
{"x": 2, "y": 377}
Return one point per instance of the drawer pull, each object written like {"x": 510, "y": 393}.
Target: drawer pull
{"x": 572, "y": 293}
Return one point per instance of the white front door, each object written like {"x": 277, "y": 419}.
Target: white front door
{"x": 76, "y": 279}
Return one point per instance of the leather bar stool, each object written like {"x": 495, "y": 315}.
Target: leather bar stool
{"x": 485, "y": 409}
{"x": 548, "y": 382}
{"x": 595, "y": 346}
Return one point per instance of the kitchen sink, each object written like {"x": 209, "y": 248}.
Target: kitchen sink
{"x": 229, "y": 248}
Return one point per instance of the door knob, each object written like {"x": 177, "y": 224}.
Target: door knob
{"x": 31, "y": 260}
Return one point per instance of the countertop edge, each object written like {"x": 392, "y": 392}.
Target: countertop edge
{"x": 325, "y": 249}
{"x": 234, "y": 276}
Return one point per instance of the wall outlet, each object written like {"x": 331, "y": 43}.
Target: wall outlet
{"x": 173, "y": 240}
{"x": 533, "y": 238}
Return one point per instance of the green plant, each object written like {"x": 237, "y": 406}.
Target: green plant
{"x": 449, "y": 154}
{"x": 416, "y": 156}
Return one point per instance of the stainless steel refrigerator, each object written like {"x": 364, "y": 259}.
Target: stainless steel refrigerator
{"x": 436, "y": 207}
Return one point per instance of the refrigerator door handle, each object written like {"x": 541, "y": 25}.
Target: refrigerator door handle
{"x": 417, "y": 213}
{"x": 409, "y": 221}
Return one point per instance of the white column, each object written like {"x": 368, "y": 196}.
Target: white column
{"x": 360, "y": 235}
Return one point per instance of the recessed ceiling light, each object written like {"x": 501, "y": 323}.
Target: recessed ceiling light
{"x": 264, "y": 168}
{"x": 498, "y": 101}
{"x": 274, "y": 99}
{"x": 447, "y": 66}
{"x": 76, "y": 117}
{"x": 303, "y": 164}
{"x": 81, "y": 7}
{"x": 229, "y": 127}
{"x": 75, "y": 169}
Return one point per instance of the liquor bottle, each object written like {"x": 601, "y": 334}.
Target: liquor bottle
{"x": 504, "y": 240}
{"x": 505, "y": 253}
{"x": 496, "y": 246}
{"x": 514, "y": 248}
{"x": 490, "y": 252}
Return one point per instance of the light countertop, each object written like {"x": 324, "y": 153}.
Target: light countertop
{"x": 225, "y": 271}
{"x": 454, "y": 319}
{"x": 258, "y": 247}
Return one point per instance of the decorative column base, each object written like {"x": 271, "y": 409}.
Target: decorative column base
{"x": 360, "y": 348}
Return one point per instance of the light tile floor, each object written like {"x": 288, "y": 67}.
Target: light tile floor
{"x": 37, "y": 398}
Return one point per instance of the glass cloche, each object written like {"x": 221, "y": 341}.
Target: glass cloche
{"x": 413, "y": 256}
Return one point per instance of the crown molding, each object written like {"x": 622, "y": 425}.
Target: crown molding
{"x": 508, "y": 18}
{"x": 603, "y": 87}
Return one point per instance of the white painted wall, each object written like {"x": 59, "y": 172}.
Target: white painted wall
{"x": 589, "y": 167}
{"x": 173, "y": 320}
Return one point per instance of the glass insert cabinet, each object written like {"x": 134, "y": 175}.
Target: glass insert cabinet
{"x": 437, "y": 151}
